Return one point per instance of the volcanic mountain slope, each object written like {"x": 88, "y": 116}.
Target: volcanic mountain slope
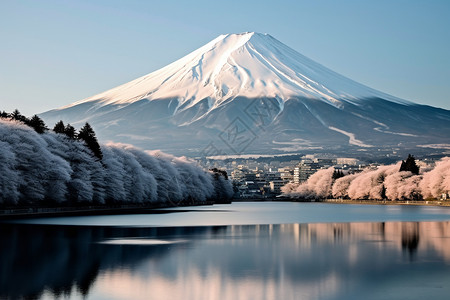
{"x": 250, "y": 93}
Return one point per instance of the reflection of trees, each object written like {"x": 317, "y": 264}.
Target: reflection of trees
{"x": 410, "y": 237}
{"x": 57, "y": 258}
{"x": 340, "y": 231}
{"x": 383, "y": 230}
{"x": 61, "y": 259}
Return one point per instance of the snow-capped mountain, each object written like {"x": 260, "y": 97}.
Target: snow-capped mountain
{"x": 247, "y": 93}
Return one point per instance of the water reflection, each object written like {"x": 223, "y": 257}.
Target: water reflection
{"x": 292, "y": 261}
{"x": 410, "y": 237}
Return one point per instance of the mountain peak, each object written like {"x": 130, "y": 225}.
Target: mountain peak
{"x": 247, "y": 64}
{"x": 253, "y": 85}
{"x": 247, "y": 34}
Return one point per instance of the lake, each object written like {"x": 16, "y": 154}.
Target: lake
{"x": 260, "y": 250}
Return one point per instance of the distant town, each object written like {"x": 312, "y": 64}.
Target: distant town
{"x": 259, "y": 178}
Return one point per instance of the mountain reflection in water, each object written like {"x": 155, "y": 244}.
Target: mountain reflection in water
{"x": 292, "y": 261}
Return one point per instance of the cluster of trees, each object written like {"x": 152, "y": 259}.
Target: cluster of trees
{"x": 63, "y": 166}
{"x": 410, "y": 165}
{"x": 86, "y": 133}
{"x": 405, "y": 180}
{"x": 34, "y": 122}
{"x": 337, "y": 174}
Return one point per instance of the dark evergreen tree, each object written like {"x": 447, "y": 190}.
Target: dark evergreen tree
{"x": 37, "y": 124}
{"x": 410, "y": 165}
{"x": 16, "y": 115}
{"x": 4, "y": 114}
{"x": 218, "y": 173}
{"x": 70, "y": 131}
{"x": 383, "y": 192}
{"x": 223, "y": 190}
{"x": 59, "y": 127}
{"x": 337, "y": 174}
{"x": 87, "y": 135}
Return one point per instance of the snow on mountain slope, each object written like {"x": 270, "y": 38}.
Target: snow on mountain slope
{"x": 255, "y": 85}
{"x": 248, "y": 65}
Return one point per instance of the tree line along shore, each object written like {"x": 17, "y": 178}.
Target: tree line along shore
{"x": 403, "y": 181}
{"x": 63, "y": 167}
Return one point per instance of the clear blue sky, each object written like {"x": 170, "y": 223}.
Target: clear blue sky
{"x": 56, "y": 52}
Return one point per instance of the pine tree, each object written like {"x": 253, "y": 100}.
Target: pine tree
{"x": 218, "y": 172}
{"x": 37, "y": 124}
{"x": 16, "y": 115}
{"x": 337, "y": 174}
{"x": 410, "y": 165}
{"x": 87, "y": 135}
{"x": 59, "y": 127}
{"x": 222, "y": 187}
{"x": 383, "y": 192}
{"x": 70, "y": 131}
{"x": 4, "y": 114}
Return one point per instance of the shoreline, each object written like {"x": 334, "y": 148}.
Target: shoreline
{"x": 158, "y": 208}
{"x": 439, "y": 203}
{"x": 51, "y": 212}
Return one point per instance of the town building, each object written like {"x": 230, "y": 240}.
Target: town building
{"x": 276, "y": 185}
{"x": 304, "y": 170}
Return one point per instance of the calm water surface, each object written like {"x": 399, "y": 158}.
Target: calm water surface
{"x": 237, "y": 251}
